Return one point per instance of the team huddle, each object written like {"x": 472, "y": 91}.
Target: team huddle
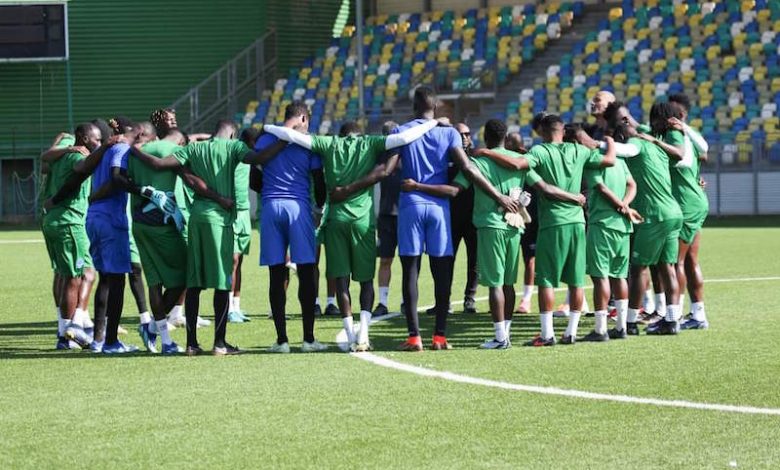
{"x": 131, "y": 198}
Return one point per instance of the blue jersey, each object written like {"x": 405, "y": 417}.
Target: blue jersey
{"x": 113, "y": 207}
{"x": 425, "y": 161}
{"x": 288, "y": 175}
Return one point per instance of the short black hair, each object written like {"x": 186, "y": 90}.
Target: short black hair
{"x": 681, "y": 99}
{"x": 424, "y": 99}
{"x": 570, "y": 131}
{"x": 83, "y": 129}
{"x": 295, "y": 109}
{"x": 388, "y": 127}
{"x": 537, "y": 120}
{"x": 495, "y": 131}
{"x": 249, "y": 136}
{"x": 548, "y": 122}
{"x": 610, "y": 113}
{"x": 349, "y": 127}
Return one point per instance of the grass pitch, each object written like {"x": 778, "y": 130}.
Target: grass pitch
{"x": 332, "y": 410}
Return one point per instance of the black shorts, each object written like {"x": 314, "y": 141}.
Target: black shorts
{"x": 386, "y": 235}
{"x": 528, "y": 241}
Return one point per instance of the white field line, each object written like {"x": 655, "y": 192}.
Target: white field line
{"x": 384, "y": 362}
{"x": 452, "y": 377}
{"x": 24, "y": 240}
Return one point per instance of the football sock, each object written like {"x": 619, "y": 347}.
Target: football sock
{"x": 61, "y": 325}
{"x": 348, "y": 323}
{"x": 660, "y": 303}
{"x": 528, "y": 292}
{"x": 317, "y": 301}
{"x": 145, "y": 318}
{"x": 574, "y": 321}
{"x": 78, "y": 318}
{"x": 632, "y": 315}
{"x": 547, "y": 325}
{"x": 621, "y": 306}
{"x": 331, "y": 301}
{"x": 175, "y": 312}
{"x": 162, "y": 330}
{"x": 236, "y": 304}
{"x": 441, "y": 270}
{"x": 410, "y": 266}
{"x": 500, "y": 331}
{"x": 508, "y": 328}
{"x": 278, "y": 299}
{"x": 601, "y": 322}
{"x": 697, "y": 310}
{"x": 647, "y": 302}
{"x": 116, "y": 300}
{"x": 384, "y": 293}
{"x": 365, "y": 323}
{"x": 191, "y": 310}
{"x": 221, "y": 298}
{"x": 307, "y": 292}
{"x": 671, "y": 313}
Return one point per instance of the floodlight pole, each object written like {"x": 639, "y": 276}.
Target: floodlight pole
{"x": 359, "y": 27}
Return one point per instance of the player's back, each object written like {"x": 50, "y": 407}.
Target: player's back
{"x": 73, "y": 209}
{"x": 426, "y": 161}
{"x": 650, "y": 169}
{"x": 114, "y": 206}
{"x": 288, "y": 175}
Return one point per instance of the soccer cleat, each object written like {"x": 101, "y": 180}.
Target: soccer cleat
{"x": 121, "y": 330}
{"x": 362, "y": 347}
{"x": 494, "y": 344}
{"x": 119, "y": 348}
{"x": 663, "y": 327}
{"x": 380, "y": 310}
{"x": 148, "y": 338}
{"x": 595, "y": 337}
{"x": 96, "y": 346}
{"x": 568, "y": 339}
{"x": 469, "y": 305}
{"x": 691, "y": 324}
{"x": 235, "y": 317}
{"x": 317, "y": 311}
{"x": 538, "y": 341}
{"x": 193, "y": 351}
{"x": 439, "y": 343}
{"x": 78, "y": 335}
{"x": 614, "y": 333}
{"x": 171, "y": 349}
{"x": 64, "y": 344}
{"x": 632, "y": 328}
{"x": 524, "y": 306}
{"x": 562, "y": 311}
{"x": 203, "y": 322}
{"x": 283, "y": 348}
{"x": 314, "y": 346}
{"x": 432, "y": 311}
{"x": 332, "y": 310}
{"x": 649, "y": 318}
{"x": 226, "y": 350}
{"x": 412, "y": 344}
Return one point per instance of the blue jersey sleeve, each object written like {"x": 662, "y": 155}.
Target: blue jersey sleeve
{"x": 118, "y": 156}
{"x": 456, "y": 141}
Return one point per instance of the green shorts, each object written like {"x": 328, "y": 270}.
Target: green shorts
{"x": 68, "y": 247}
{"x": 560, "y": 255}
{"x": 607, "y": 252}
{"x": 498, "y": 252}
{"x": 350, "y": 249}
{"x": 209, "y": 256}
{"x": 163, "y": 253}
{"x": 691, "y": 225}
{"x": 656, "y": 242}
{"x": 242, "y": 231}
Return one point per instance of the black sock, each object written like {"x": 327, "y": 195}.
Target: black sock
{"x": 366, "y": 295}
{"x": 191, "y": 311}
{"x": 410, "y": 266}
{"x": 221, "y": 298}
{"x": 137, "y": 287}
{"x": 470, "y": 240}
{"x": 307, "y": 288}
{"x": 116, "y": 300}
{"x": 441, "y": 270}
{"x": 101, "y": 304}
{"x": 278, "y": 298}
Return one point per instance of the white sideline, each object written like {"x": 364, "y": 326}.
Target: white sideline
{"x": 422, "y": 371}
{"x": 24, "y": 240}
{"x": 384, "y": 362}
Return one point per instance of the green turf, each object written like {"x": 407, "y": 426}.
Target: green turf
{"x": 332, "y": 410}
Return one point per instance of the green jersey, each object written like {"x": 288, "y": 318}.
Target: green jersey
{"x": 242, "y": 188}
{"x": 144, "y": 175}
{"x": 650, "y": 169}
{"x": 685, "y": 180}
{"x": 66, "y": 141}
{"x": 215, "y": 162}
{"x": 600, "y": 210}
{"x": 345, "y": 160}
{"x": 72, "y": 210}
{"x": 561, "y": 165}
{"x": 487, "y": 212}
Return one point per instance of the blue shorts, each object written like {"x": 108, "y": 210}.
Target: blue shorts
{"x": 424, "y": 227}
{"x": 109, "y": 245}
{"x": 287, "y": 223}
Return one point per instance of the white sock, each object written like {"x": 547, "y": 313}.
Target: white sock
{"x": 621, "y": 306}
{"x": 508, "y": 328}
{"x": 152, "y": 325}
{"x": 384, "y": 293}
{"x": 59, "y": 312}
{"x": 547, "y": 325}
{"x": 78, "y": 318}
{"x": 349, "y": 328}
{"x": 601, "y": 322}
{"x": 162, "y": 330}
{"x": 230, "y": 302}
{"x": 145, "y": 318}
{"x": 317, "y": 301}
{"x": 236, "y": 304}
{"x": 660, "y": 303}
{"x": 672, "y": 313}
{"x": 648, "y": 303}
{"x": 61, "y": 325}
{"x": 175, "y": 312}
{"x": 633, "y": 313}
{"x": 500, "y": 331}
{"x": 331, "y": 301}
{"x": 697, "y": 310}
{"x": 528, "y": 292}
{"x": 585, "y": 306}
{"x": 87, "y": 320}
{"x": 574, "y": 321}
{"x": 365, "y": 322}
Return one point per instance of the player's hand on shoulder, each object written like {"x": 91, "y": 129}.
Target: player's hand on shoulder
{"x": 676, "y": 124}
{"x": 409, "y": 185}
{"x": 444, "y": 122}
{"x": 79, "y": 149}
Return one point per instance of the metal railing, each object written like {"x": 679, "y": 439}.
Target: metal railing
{"x": 241, "y": 79}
